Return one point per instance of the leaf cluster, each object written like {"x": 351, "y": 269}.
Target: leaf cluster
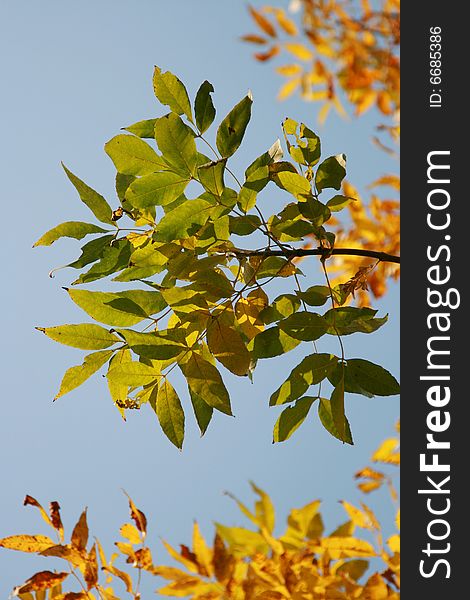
{"x": 191, "y": 298}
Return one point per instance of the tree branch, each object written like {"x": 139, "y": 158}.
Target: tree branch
{"x": 300, "y": 252}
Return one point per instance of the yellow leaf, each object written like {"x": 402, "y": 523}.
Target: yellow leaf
{"x": 375, "y": 589}
{"x": 170, "y": 573}
{"x": 43, "y": 580}
{"x": 344, "y": 547}
{"x": 73, "y": 555}
{"x": 289, "y": 70}
{"x": 397, "y": 520}
{"x": 394, "y": 543}
{"x": 90, "y": 574}
{"x": 27, "y": 543}
{"x": 131, "y": 533}
{"x": 288, "y": 88}
{"x": 264, "y": 509}
{"x": 122, "y": 575}
{"x": 285, "y": 23}
{"x": 189, "y": 564}
{"x": 358, "y": 517}
{"x": 202, "y": 552}
{"x": 29, "y": 500}
{"x": 299, "y": 51}
{"x": 387, "y": 453}
{"x": 369, "y": 486}
{"x": 323, "y": 112}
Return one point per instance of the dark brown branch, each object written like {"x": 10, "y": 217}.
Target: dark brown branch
{"x": 300, "y": 252}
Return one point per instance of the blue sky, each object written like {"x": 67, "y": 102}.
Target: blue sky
{"x": 74, "y": 73}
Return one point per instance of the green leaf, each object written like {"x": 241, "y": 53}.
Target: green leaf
{"x": 202, "y": 411}
{"x": 120, "y": 309}
{"x": 170, "y": 413}
{"x": 316, "y": 212}
{"x": 337, "y": 409}
{"x": 316, "y": 295}
{"x": 85, "y": 336}
{"x": 176, "y": 142}
{"x": 95, "y": 202}
{"x": 232, "y": 129}
{"x": 227, "y": 346}
{"x": 183, "y": 221}
{"x": 117, "y": 389}
{"x": 143, "y": 129}
{"x": 257, "y": 176}
{"x": 309, "y": 147}
{"x": 171, "y": 92}
{"x": 272, "y": 342}
{"x": 113, "y": 258}
{"x": 326, "y": 417}
{"x": 245, "y": 225}
{"x": 75, "y": 376}
{"x": 203, "y": 107}
{"x": 304, "y": 326}
{"x": 157, "y": 189}
{"x": 283, "y": 306}
{"x": 294, "y": 183}
{"x": 205, "y": 380}
{"x": 92, "y": 251}
{"x": 132, "y": 374}
{"x": 338, "y": 202}
{"x": 159, "y": 345}
{"x": 71, "y": 229}
{"x": 133, "y": 156}
{"x": 331, "y": 172}
{"x": 122, "y": 184}
{"x": 291, "y": 419}
{"x": 346, "y": 320}
{"x": 211, "y": 176}
{"x": 366, "y": 378}
{"x": 310, "y": 371}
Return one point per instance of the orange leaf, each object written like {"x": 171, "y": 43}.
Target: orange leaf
{"x": 254, "y": 39}
{"x": 91, "y": 570}
{"x": 138, "y": 517}
{"x": 264, "y": 56}
{"x": 80, "y": 533}
{"x": 287, "y": 24}
{"x": 54, "y": 512}
{"x": 122, "y": 576}
{"x": 262, "y": 22}
{"x": 222, "y": 560}
{"x": 144, "y": 559}
{"x": 27, "y": 543}
{"x": 33, "y": 502}
{"x": 43, "y": 580}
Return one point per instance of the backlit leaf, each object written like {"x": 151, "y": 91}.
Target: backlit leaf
{"x": 272, "y": 342}
{"x": 211, "y": 176}
{"x": 304, "y": 326}
{"x": 227, "y": 346}
{"x": 311, "y": 370}
{"x": 95, "y": 202}
{"x": 132, "y": 374}
{"x": 202, "y": 411}
{"x": 158, "y": 345}
{"x": 43, "y": 580}
{"x": 176, "y": 142}
{"x": 71, "y": 229}
{"x": 156, "y": 189}
{"x": 183, "y": 220}
{"x": 292, "y": 418}
{"x": 133, "y": 156}
{"x": 242, "y": 541}
{"x": 27, "y": 543}
{"x": 171, "y": 92}
{"x": 86, "y": 336}
{"x": 326, "y": 417}
{"x": 170, "y": 413}
{"x": 120, "y": 309}
{"x": 293, "y": 183}
{"x": 80, "y": 533}
{"x": 75, "y": 376}
{"x": 206, "y": 382}
{"x": 142, "y": 129}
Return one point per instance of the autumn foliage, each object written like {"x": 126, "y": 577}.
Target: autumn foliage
{"x": 243, "y": 563}
{"x": 341, "y": 55}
